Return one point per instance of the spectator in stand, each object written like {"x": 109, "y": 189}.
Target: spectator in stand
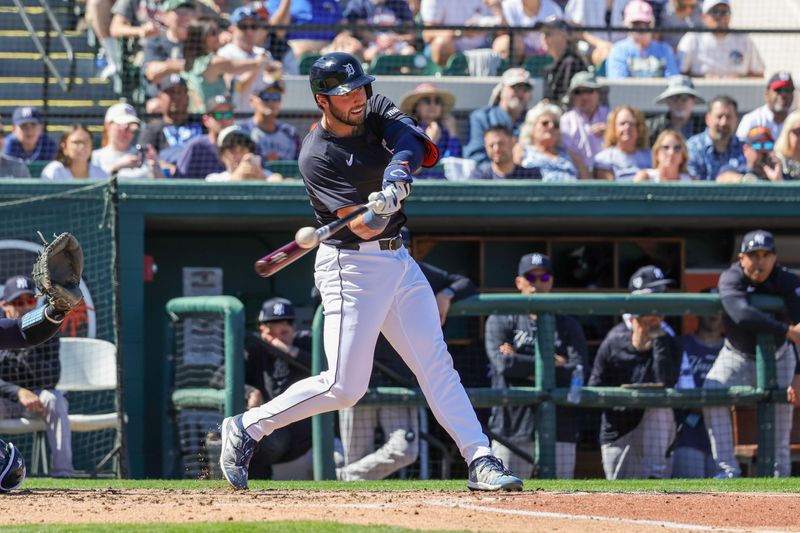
{"x": 761, "y": 163}
{"x": 200, "y": 157}
{"x": 691, "y": 454}
{"x": 276, "y": 356}
{"x": 639, "y": 55}
{"x": 204, "y": 70}
{"x": 441, "y": 44}
{"x": 717, "y": 145}
{"x": 670, "y": 159}
{"x": 594, "y": 13}
{"x": 169, "y": 134}
{"x": 779, "y": 97}
{"x": 507, "y": 106}
{"x": 527, "y": 14}
{"x": 309, "y": 13}
{"x": 430, "y": 106}
{"x": 626, "y": 146}
{"x": 163, "y": 53}
{"x": 98, "y": 16}
{"x": 74, "y": 157}
{"x": 28, "y": 141}
{"x": 719, "y": 54}
{"x": 639, "y": 351}
{"x": 134, "y": 19}
{"x": 680, "y": 97}
{"x": 245, "y": 32}
{"x": 511, "y": 347}
{"x": 757, "y": 271}
{"x": 500, "y": 166}
{"x": 540, "y": 146}
{"x": 584, "y": 125}
{"x": 28, "y": 378}
{"x": 680, "y": 14}
{"x": 787, "y": 147}
{"x": 385, "y": 14}
{"x": 119, "y": 156}
{"x": 237, "y": 151}
{"x": 566, "y": 63}
{"x": 11, "y": 167}
{"x": 275, "y": 139}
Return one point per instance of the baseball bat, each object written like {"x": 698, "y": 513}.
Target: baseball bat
{"x": 292, "y": 251}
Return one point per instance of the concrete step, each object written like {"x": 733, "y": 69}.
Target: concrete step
{"x": 21, "y": 41}
{"x": 11, "y": 20}
{"x": 27, "y": 64}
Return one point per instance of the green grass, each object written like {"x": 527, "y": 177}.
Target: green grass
{"x": 305, "y": 526}
{"x": 591, "y": 485}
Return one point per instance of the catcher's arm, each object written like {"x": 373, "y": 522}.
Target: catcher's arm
{"x": 57, "y": 274}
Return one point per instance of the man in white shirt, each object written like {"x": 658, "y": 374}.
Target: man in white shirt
{"x": 779, "y": 97}
{"x": 444, "y": 43}
{"x": 719, "y": 54}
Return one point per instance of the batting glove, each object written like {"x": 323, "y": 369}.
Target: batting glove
{"x": 397, "y": 171}
{"x": 387, "y": 201}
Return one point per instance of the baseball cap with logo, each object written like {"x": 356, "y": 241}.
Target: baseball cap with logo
{"x": 168, "y": 82}
{"x": 16, "y": 286}
{"x": 216, "y": 101}
{"x": 648, "y": 279}
{"x": 244, "y": 13}
{"x": 760, "y": 138}
{"x": 638, "y": 11}
{"x": 534, "y": 261}
{"x": 26, "y": 115}
{"x": 780, "y": 80}
{"x": 122, "y": 113}
{"x": 758, "y": 240}
{"x": 276, "y": 309}
{"x": 708, "y": 5}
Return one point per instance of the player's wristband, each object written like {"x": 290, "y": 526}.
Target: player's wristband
{"x": 375, "y": 222}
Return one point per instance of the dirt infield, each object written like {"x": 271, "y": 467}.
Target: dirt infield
{"x": 529, "y": 511}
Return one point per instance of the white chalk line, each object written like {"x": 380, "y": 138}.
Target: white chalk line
{"x": 595, "y": 518}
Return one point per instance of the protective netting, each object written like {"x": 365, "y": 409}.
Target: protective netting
{"x": 87, "y": 372}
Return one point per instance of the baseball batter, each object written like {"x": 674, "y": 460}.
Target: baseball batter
{"x": 368, "y": 281}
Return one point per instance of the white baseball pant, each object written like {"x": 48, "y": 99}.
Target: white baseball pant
{"x": 365, "y": 292}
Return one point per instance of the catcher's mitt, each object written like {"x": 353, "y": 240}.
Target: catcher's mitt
{"x": 57, "y": 273}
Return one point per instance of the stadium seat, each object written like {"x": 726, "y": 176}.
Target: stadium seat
{"x": 415, "y": 65}
{"x": 306, "y": 61}
{"x": 457, "y": 65}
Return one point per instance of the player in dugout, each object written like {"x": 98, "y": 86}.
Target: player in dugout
{"x": 365, "y": 149}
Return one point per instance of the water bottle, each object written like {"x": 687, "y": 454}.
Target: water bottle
{"x": 575, "y": 385}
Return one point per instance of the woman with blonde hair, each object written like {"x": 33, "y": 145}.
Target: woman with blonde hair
{"x": 670, "y": 159}
{"x": 787, "y": 147}
{"x": 73, "y": 157}
{"x": 626, "y": 146}
{"x": 540, "y": 146}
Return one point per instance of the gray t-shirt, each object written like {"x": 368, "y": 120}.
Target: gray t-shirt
{"x": 624, "y": 166}
{"x": 11, "y": 167}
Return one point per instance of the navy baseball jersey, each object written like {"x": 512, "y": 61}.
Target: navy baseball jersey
{"x": 342, "y": 171}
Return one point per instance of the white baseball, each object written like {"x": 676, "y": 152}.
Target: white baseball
{"x": 306, "y": 237}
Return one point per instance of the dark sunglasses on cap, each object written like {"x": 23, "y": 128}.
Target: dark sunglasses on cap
{"x": 220, "y": 115}
{"x": 532, "y": 277}
{"x": 24, "y": 301}
{"x": 763, "y": 146}
{"x": 271, "y": 97}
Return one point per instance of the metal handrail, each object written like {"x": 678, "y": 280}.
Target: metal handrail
{"x": 65, "y": 86}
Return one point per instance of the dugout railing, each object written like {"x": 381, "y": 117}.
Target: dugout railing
{"x": 545, "y": 395}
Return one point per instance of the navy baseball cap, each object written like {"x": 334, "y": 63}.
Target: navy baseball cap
{"x": 534, "y": 261}
{"x": 26, "y": 115}
{"x": 758, "y": 240}
{"x": 276, "y": 309}
{"x": 16, "y": 286}
{"x": 243, "y": 13}
{"x": 648, "y": 279}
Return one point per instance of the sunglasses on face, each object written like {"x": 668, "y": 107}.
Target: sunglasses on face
{"x": 640, "y": 25}
{"x": 719, "y": 13}
{"x": 532, "y": 277}
{"x": 668, "y": 147}
{"x": 220, "y": 115}
{"x": 584, "y": 90}
{"x": 23, "y": 301}
{"x": 550, "y": 124}
{"x": 271, "y": 97}
{"x": 524, "y": 87}
{"x": 784, "y": 90}
{"x": 428, "y": 100}
{"x": 763, "y": 147}
{"x": 246, "y": 27}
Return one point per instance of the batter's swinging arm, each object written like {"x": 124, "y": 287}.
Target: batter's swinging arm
{"x": 305, "y": 240}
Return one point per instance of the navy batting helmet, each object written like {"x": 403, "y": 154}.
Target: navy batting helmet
{"x": 12, "y": 467}
{"x": 337, "y": 74}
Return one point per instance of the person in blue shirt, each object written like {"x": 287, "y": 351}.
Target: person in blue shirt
{"x": 499, "y": 146}
{"x": 639, "y": 55}
{"x": 718, "y": 145}
{"x": 310, "y": 13}
{"x": 28, "y": 141}
{"x": 508, "y": 104}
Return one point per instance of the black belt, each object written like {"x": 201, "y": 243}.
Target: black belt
{"x": 395, "y": 243}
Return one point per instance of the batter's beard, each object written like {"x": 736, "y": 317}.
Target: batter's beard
{"x": 347, "y": 118}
